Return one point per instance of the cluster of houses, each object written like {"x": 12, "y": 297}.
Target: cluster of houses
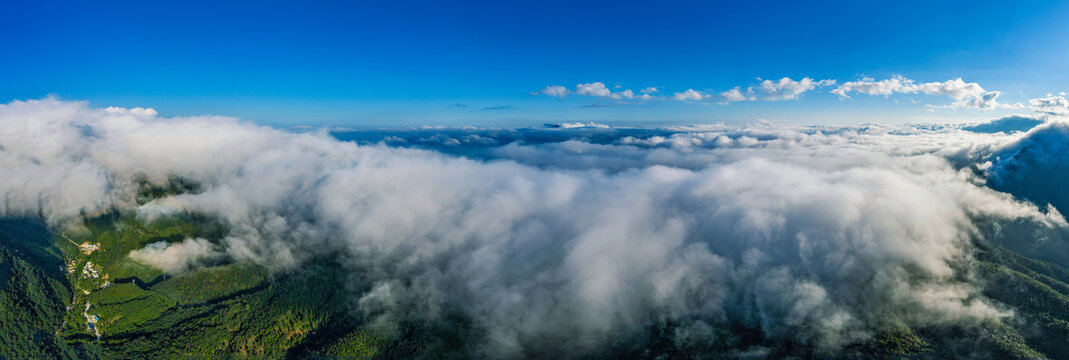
{"x": 70, "y": 267}
{"x": 89, "y": 272}
{"x": 88, "y": 248}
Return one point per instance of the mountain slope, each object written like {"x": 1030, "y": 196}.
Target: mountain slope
{"x": 34, "y": 294}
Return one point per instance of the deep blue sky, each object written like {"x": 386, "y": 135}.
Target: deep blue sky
{"x": 407, "y": 63}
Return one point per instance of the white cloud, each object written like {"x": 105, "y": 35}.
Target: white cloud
{"x": 630, "y": 95}
{"x": 554, "y": 90}
{"x": 689, "y": 95}
{"x": 869, "y": 86}
{"x": 787, "y": 89}
{"x": 593, "y": 89}
{"x": 967, "y": 95}
{"x": 985, "y": 101}
{"x": 175, "y": 257}
{"x": 956, "y": 89}
{"x": 1053, "y": 105}
{"x": 783, "y": 89}
{"x": 735, "y": 95}
{"x": 597, "y": 89}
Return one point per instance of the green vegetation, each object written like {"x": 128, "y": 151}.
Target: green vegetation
{"x": 242, "y": 309}
{"x": 895, "y": 341}
{"x": 35, "y": 294}
{"x": 227, "y": 309}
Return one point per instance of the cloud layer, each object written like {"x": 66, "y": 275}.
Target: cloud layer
{"x": 810, "y": 235}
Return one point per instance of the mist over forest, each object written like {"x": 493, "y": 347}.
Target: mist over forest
{"x": 581, "y": 240}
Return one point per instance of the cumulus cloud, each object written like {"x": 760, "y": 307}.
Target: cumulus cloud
{"x": 966, "y": 95}
{"x": 955, "y": 88}
{"x": 870, "y": 86}
{"x": 787, "y": 89}
{"x": 554, "y": 90}
{"x": 735, "y": 95}
{"x": 593, "y": 89}
{"x": 690, "y": 95}
{"x": 782, "y": 89}
{"x": 985, "y": 101}
{"x": 807, "y": 235}
{"x": 1052, "y": 105}
{"x": 597, "y": 89}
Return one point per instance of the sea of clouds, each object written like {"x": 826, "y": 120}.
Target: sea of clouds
{"x": 574, "y": 235}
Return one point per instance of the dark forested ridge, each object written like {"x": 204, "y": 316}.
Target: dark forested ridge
{"x": 35, "y": 294}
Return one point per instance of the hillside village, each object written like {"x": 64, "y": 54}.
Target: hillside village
{"x": 86, "y": 283}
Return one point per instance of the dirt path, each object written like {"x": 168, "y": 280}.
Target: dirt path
{"x": 64, "y": 235}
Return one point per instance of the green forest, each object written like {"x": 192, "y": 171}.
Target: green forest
{"x": 244, "y": 310}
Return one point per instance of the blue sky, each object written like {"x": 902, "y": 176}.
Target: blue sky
{"x": 411, "y": 63}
